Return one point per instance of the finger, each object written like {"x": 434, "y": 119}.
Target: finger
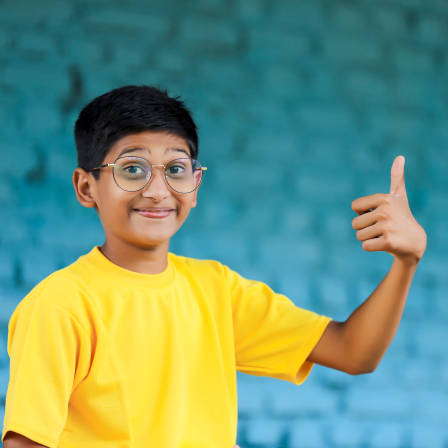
{"x": 363, "y": 213}
{"x": 364, "y": 220}
{"x": 369, "y": 232}
{"x": 397, "y": 186}
{"x": 374, "y": 244}
{"x": 368, "y": 203}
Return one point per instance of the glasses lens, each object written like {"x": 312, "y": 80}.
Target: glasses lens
{"x": 184, "y": 175}
{"x": 132, "y": 173}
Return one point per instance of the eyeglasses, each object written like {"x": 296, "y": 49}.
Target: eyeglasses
{"x": 134, "y": 173}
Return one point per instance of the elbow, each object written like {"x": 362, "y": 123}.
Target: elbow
{"x": 363, "y": 368}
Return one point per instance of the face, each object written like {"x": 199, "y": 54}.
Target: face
{"x": 125, "y": 215}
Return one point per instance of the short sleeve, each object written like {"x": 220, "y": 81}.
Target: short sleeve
{"x": 273, "y": 337}
{"x": 49, "y": 356}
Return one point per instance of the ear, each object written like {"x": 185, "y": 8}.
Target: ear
{"x": 194, "y": 203}
{"x": 84, "y": 184}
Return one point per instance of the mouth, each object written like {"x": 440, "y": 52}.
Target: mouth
{"x": 157, "y": 213}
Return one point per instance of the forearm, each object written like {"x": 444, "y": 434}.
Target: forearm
{"x": 370, "y": 329}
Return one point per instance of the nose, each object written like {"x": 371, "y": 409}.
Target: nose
{"x": 157, "y": 187}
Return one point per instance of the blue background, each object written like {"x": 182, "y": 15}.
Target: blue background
{"x": 302, "y": 107}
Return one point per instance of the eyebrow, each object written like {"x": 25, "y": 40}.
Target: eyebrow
{"x": 138, "y": 148}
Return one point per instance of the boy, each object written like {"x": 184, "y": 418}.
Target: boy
{"x": 134, "y": 346}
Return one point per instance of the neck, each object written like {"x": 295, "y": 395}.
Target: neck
{"x": 147, "y": 260}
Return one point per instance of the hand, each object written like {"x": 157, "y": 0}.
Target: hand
{"x": 390, "y": 226}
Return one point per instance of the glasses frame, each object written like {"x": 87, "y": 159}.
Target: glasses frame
{"x": 203, "y": 168}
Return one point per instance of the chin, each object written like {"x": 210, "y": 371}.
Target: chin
{"x": 155, "y": 240}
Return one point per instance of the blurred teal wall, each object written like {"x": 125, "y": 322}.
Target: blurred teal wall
{"x": 302, "y": 107}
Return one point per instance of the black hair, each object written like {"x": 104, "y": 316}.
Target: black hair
{"x": 130, "y": 110}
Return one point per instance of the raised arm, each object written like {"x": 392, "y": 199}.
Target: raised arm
{"x": 15, "y": 440}
{"x": 357, "y": 345}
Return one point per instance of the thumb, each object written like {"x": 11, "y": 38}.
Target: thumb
{"x": 397, "y": 177}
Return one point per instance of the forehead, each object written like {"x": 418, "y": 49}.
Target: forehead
{"x": 151, "y": 142}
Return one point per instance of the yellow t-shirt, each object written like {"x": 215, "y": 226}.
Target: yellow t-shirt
{"x": 101, "y": 356}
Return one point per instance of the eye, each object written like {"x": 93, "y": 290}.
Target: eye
{"x": 175, "y": 170}
{"x": 133, "y": 169}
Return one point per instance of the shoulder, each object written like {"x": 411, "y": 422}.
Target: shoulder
{"x": 68, "y": 280}
{"x": 61, "y": 288}
{"x": 207, "y": 271}
{"x": 196, "y": 265}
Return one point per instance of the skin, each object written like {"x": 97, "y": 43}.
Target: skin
{"x": 357, "y": 345}
{"x": 135, "y": 242}
{"x": 132, "y": 241}
{"x": 384, "y": 223}
{"x": 15, "y": 440}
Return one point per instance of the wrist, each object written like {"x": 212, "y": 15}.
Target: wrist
{"x": 408, "y": 262}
